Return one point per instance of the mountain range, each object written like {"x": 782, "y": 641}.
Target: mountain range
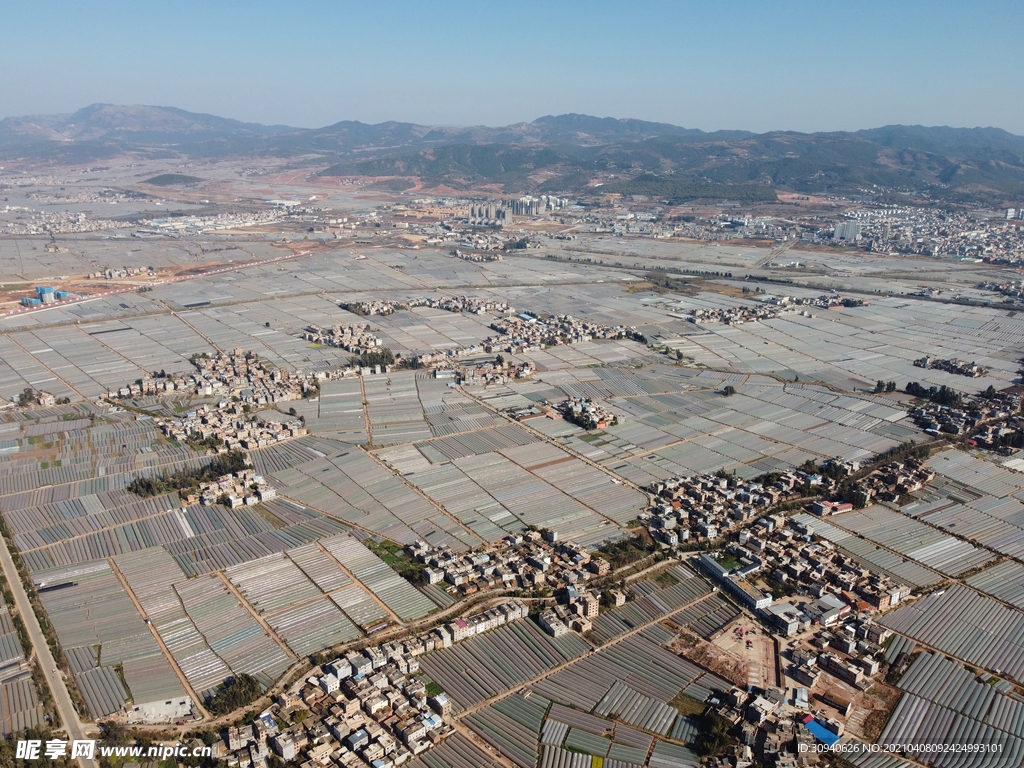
{"x": 570, "y": 153}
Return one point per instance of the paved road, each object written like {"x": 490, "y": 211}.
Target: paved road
{"x": 69, "y": 717}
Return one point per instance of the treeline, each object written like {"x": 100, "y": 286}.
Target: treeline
{"x": 354, "y": 308}
{"x": 678, "y": 190}
{"x": 832, "y": 470}
{"x": 372, "y": 357}
{"x": 224, "y": 464}
{"x": 1011, "y": 440}
{"x": 662, "y": 277}
{"x": 516, "y": 245}
{"x": 907, "y": 450}
{"x": 941, "y": 395}
{"x": 240, "y": 692}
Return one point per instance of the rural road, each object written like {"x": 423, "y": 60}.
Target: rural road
{"x": 69, "y": 717}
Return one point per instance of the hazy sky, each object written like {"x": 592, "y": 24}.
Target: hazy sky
{"x": 756, "y": 65}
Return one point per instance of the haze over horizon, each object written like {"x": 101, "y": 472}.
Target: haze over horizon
{"x": 820, "y": 67}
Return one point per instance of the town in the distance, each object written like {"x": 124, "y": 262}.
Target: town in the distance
{"x": 315, "y": 465}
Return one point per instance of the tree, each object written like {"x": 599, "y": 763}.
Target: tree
{"x": 292, "y": 411}
{"x": 890, "y": 386}
{"x": 382, "y": 357}
{"x": 730, "y": 390}
{"x": 499, "y": 360}
{"x": 879, "y": 386}
{"x": 27, "y": 396}
{"x": 242, "y": 690}
{"x": 858, "y": 498}
{"x": 941, "y": 395}
{"x": 114, "y": 734}
{"x": 225, "y": 464}
{"x": 713, "y": 738}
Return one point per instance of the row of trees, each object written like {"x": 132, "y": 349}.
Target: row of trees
{"x": 942, "y": 395}
{"x": 372, "y": 357}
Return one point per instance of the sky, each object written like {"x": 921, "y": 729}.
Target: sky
{"x": 753, "y": 65}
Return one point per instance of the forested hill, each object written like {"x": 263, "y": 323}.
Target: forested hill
{"x": 571, "y": 153}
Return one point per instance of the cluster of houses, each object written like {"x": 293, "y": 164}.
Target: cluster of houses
{"x": 585, "y": 413}
{"x": 240, "y": 377}
{"x": 835, "y": 643}
{"x": 477, "y": 257}
{"x": 576, "y": 611}
{"x": 785, "y": 550}
{"x": 1013, "y": 289}
{"x": 367, "y": 708}
{"x": 527, "y": 333}
{"x": 770, "y": 733}
{"x": 149, "y": 386}
{"x": 465, "y": 304}
{"x": 954, "y": 365}
{"x": 771, "y": 307}
{"x": 825, "y": 301}
{"x": 120, "y": 273}
{"x": 241, "y": 489}
{"x": 706, "y": 506}
{"x": 734, "y": 315}
{"x": 896, "y": 478}
{"x": 239, "y": 374}
{"x": 374, "y": 307}
{"x": 841, "y": 650}
{"x": 849, "y": 650}
{"x": 487, "y": 373}
{"x": 936, "y": 419}
{"x": 46, "y": 399}
{"x": 447, "y": 356}
{"x": 228, "y": 427}
{"x": 352, "y": 338}
{"x": 525, "y": 561}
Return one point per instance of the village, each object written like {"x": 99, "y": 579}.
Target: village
{"x": 352, "y": 338}
{"x": 228, "y": 427}
{"x": 585, "y": 413}
{"x": 959, "y": 367}
{"x": 526, "y": 332}
{"x": 771, "y": 307}
{"x": 239, "y": 374}
{"x": 459, "y": 304}
{"x": 245, "y": 488}
{"x": 366, "y": 708}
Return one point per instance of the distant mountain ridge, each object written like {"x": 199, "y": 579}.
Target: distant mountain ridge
{"x": 569, "y": 152}
{"x": 109, "y": 122}
{"x": 140, "y": 123}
